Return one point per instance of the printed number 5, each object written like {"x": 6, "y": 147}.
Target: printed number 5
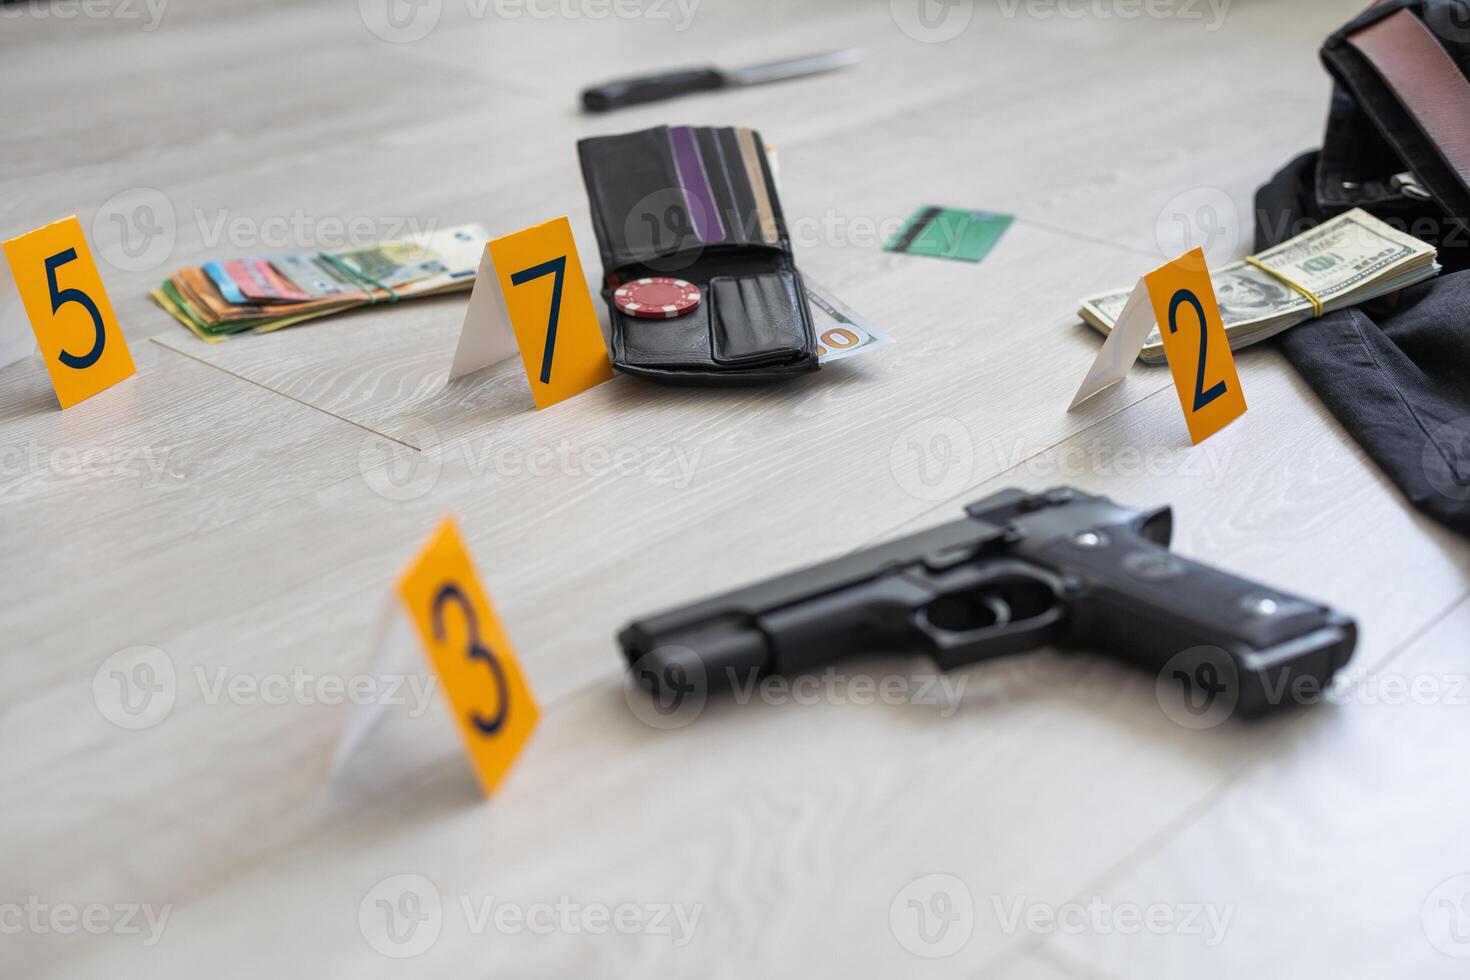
{"x": 60, "y": 297}
{"x": 555, "y": 268}
{"x": 448, "y": 593}
{"x": 1201, "y": 396}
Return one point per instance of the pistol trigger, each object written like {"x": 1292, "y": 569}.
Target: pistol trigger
{"x": 1000, "y": 608}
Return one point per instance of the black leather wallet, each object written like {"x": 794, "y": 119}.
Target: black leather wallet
{"x": 699, "y": 204}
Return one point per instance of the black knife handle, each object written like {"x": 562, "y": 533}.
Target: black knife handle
{"x": 651, "y": 88}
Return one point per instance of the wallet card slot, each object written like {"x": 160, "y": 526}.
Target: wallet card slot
{"x": 746, "y": 218}
{"x": 693, "y": 178}
{"x": 681, "y": 341}
{"x": 639, "y": 208}
{"x": 722, "y": 182}
{"x": 755, "y": 319}
{"x": 752, "y": 153}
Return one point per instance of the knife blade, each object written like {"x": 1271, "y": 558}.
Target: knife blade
{"x": 685, "y": 81}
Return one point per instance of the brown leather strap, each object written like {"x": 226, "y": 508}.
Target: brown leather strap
{"x": 1427, "y": 82}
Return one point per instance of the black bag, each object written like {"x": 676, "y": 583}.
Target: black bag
{"x": 1395, "y": 372}
{"x": 700, "y": 204}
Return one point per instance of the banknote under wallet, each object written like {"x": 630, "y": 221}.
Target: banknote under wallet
{"x": 699, "y": 204}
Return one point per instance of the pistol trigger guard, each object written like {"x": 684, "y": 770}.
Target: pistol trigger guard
{"x": 952, "y": 648}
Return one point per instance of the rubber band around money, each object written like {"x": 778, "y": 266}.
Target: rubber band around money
{"x": 357, "y": 277}
{"x": 1312, "y": 297}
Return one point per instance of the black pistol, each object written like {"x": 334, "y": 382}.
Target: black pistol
{"x": 1021, "y": 571}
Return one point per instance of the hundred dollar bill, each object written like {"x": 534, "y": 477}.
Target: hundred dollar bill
{"x": 841, "y": 333}
{"x": 1346, "y": 261}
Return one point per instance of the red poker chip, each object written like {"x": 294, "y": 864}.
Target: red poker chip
{"x": 657, "y": 298}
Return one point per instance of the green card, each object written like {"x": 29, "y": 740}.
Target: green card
{"x": 950, "y": 233}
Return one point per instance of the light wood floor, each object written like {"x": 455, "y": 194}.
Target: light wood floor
{"x": 233, "y": 506}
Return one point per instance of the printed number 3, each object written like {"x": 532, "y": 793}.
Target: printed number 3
{"x": 1201, "y": 396}
{"x": 555, "y": 268}
{"x": 60, "y": 297}
{"x": 448, "y": 593}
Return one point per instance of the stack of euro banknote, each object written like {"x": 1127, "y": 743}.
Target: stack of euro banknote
{"x": 261, "y": 294}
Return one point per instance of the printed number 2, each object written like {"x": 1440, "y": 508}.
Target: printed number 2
{"x": 1201, "y": 396}
{"x": 60, "y": 297}
{"x": 555, "y": 268}
{"x": 475, "y": 650}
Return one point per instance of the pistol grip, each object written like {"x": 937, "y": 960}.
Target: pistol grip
{"x": 1149, "y": 606}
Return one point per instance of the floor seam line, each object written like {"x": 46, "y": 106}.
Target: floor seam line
{"x": 289, "y": 397}
{"x": 1089, "y": 239}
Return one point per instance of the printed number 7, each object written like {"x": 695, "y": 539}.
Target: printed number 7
{"x": 475, "y": 650}
{"x": 555, "y": 268}
{"x": 1201, "y": 397}
{"x": 60, "y": 297}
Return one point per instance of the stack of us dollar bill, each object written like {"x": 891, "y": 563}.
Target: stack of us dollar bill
{"x": 1348, "y": 260}
{"x": 261, "y": 294}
